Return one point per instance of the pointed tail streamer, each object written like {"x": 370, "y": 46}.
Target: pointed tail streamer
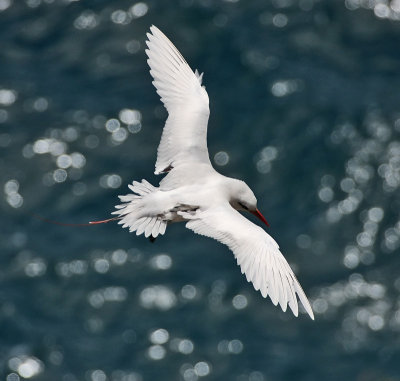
{"x": 75, "y": 225}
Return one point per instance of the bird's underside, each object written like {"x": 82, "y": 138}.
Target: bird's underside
{"x": 193, "y": 192}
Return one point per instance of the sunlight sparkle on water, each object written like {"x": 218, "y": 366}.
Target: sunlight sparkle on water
{"x": 7, "y": 97}
{"x": 119, "y": 136}
{"x": 161, "y": 262}
{"x": 139, "y": 9}
{"x": 189, "y": 292}
{"x": 97, "y": 298}
{"x": 156, "y": 352}
{"x": 160, "y": 297}
{"x": 119, "y": 257}
{"x": 283, "y": 88}
{"x": 191, "y": 372}
{"x": 86, "y": 20}
{"x": 60, "y": 175}
{"x": 13, "y": 198}
{"x": 101, "y": 265}
{"x": 265, "y": 158}
{"x": 64, "y": 161}
{"x": 98, "y": 375}
{"x": 129, "y": 116}
{"x": 70, "y": 134}
{"x": 77, "y": 160}
{"x": 36, "y": 267}
{"x": 4, "y": 4}
{"x": 382, "y": 9}
{"x": 40, "y": 104}
{"x": 110, "y": 181}
{"x": 27, "y": 367}
{"x": 3, "y": 116}
{"x": 239, "y": 302}
{"x": 112, "y": 125}
{"x": 12, "y": 376}
{"x": 121, "y": 17}
{"x": 184, "y": 346}
{"x": 133, "y": 46}
{"x": 221, "y": 158}
{"x": 280, "y": 20}
{"x": 159, "y": 336}
{"x": 202, "y": 368}
{"x": 234, "y": 346}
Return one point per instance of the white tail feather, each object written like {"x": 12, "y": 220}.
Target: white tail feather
{"x": 131, "y": 211}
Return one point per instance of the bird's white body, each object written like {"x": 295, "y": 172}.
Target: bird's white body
{"x": 192, "y": 191}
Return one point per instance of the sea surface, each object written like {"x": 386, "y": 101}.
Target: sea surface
{"x": 305, "y": 107}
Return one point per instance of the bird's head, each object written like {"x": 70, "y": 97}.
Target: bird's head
{"x": 244, "y": 200}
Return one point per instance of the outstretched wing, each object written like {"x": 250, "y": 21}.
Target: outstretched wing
{"x": 256, "y": 253}
{"x": 184, "y": 138}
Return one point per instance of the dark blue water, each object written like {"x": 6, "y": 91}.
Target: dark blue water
{"x": 304, "y": 99}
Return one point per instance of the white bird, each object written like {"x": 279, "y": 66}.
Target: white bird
{"x": 194, "y": 192}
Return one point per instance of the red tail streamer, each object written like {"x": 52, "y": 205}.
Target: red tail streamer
{"x": 104, "y": 221}
{"x": 74, "y": 225}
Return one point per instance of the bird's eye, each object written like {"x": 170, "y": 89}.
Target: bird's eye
{"x": 243, "y": 206}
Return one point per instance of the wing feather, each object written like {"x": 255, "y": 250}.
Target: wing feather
{"x": 184, "y": 138}
{"x": 256, "y": 252}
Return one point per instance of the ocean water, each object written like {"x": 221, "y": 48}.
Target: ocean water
{"x": 305, "y": 107}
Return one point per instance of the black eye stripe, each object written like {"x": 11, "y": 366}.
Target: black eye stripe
{"x": 243, "y": 206}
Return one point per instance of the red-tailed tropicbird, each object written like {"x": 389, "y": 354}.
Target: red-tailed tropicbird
{"x": 194, "y": 192}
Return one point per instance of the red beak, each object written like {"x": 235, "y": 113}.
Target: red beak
{"x": 258, "y": 214}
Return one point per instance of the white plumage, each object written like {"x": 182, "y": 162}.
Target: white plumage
{"x": 185, "y": 133}
{"x": 256, "y": 253}
{"x": 192, "y": 191}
